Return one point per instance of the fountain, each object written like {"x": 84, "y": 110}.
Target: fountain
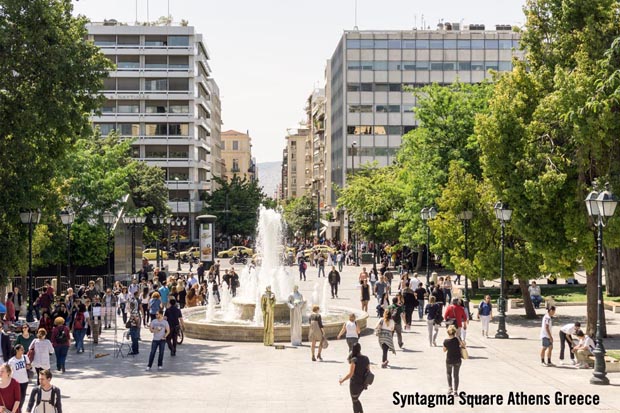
{"x": 240, "y": 318}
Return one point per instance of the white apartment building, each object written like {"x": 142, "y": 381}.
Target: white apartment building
{"x": 163, "y": 97}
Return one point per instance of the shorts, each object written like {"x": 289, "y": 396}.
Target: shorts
{"x": 546, "y": 342}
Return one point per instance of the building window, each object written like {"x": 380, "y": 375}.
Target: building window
{"x": 155, "y": 129}
{"x": 178, "y": 40}
{"x": 178, "y": 129}
{"x": 154, "y": 106}
{"x": 156, "y": 84}
{"x": 105, "y": 128}
{"x": 155, "y": 152}
{"x": 128, "y": 62}
{"x": 128, "y": 106}
{"x": 155, "y": 62}
{"x": 235, "y": 145}
{"x": 129, "y": 129}
{"x": 132, "y": 84}
{"x": 179, "y": 107}
{"x": 360, "y": 108}
{"x": 235, "y": 165}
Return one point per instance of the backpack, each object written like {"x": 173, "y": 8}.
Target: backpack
{"x": 78, "y": 324}
{"x": 53, "y": 397}
{"x": 61, "y": 337}
{"x": 304, "y": 265}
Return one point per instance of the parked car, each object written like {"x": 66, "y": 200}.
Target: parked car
{"x": 195, "y": 251}
{"x": 235, "y": 251}
{"x": 151, "y": 254}
{"x": 323, "y": 249}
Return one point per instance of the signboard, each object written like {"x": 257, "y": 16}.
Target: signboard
{"x": 206, "y": 242}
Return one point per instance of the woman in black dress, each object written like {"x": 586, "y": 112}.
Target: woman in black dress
{"x": 365, "y": 294}
{"x": 359, "y": 368}
{"x": 452, "y": 346}
{"x": 410, "y": 304}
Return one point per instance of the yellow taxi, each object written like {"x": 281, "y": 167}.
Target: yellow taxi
{"x": 323, "y": 249}
{"x": 151, "y": 254}
{"x": 235, "y": 251}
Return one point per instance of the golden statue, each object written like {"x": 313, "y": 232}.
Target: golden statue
{"x": 268, "y": 305}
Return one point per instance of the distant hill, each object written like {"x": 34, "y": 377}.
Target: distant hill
{"x": 269, "y": 177}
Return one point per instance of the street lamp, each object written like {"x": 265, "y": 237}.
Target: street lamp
{"x": 318, "y": 216}
{"x": 427, "y": 214}
{"x": 351, "y": 224}
{"x": 161, "y": 220}
{"x": 31, "y": 217}
{"x": 353, "y": 152}
{"x": 465, "y": 217}
{"x": 133, "y": 221}
{"x": 601, "y": 206}
{"x": 372, "y": 217}
{"x": 108, "y": 220}
{"x": 503, "y": 213}
{"x": 178, "y": 223}
{"x": 67, "y": 217}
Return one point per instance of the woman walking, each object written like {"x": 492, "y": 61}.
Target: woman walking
{"x": 61, "y": 342}
{"x": 79, "y": 328}
{"x": 432, "y": 311}
{"x": 359, "y": 367}
{"x": 316, "y": 332}
{"x": 385, "y": 331}
{"x": 144, "y": 306}
{"x": 42, "y": 350}
{"x": 365, "y": 294}
{"x": 352, "y": 331}
{"x": 25, "y": 338}
{"x": 485, "y": 314}
{"x": 20, "y": 364}
{"x": 410, "y": 303}
{"x": 154, "y": 305}
{"x": 452, "y": 347}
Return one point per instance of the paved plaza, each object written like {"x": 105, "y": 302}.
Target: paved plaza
{"x": 208, "y": 376}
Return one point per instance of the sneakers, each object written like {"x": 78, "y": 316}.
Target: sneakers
{"x": 542, "y": 363}
{"x": 148, "y": 369}
{"x": 160, "y": 368}
{"x": 549, "y": 364}
{"x": 450, "y": 391}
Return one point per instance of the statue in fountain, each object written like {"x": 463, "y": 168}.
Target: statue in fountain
{"x": 296, "y": 304}
{"x": 268, "y": 305}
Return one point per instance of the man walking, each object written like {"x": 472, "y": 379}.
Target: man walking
{"x": 321, "y": 264}
{"x": 334, "y": 279}
{"x": 109, "y": 308}
{"x": 160, "y": 329}
{"x": 174, "y": 317}
{"x": 339, "y": 259}
{"x": 547, "y": 337}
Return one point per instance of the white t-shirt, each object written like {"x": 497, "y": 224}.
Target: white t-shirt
{"x": 42, "y": 350}
{"x": 18, "y": 368}
{"x": 351, "y": 328}
{"x": 546, "y": 321}
{"x": 588, "y": 342}
{"x": 569, "y": 329}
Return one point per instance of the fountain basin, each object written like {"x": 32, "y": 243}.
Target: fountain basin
{"x": 197, "y": 327}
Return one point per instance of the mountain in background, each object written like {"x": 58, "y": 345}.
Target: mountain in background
{"x": 269, "y": 177}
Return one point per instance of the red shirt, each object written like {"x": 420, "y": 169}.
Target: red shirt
{"x": 10, "y": 394}
{"x": 455, "y": 312}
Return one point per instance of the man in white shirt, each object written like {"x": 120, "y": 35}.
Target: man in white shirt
{"x": 534, "y": 291}
{"x": 547, "y": 337}
{"x": 583, "y": 350}
{"x": 566, "y": 337}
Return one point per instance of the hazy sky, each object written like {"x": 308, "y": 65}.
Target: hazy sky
{"x": 268, "y": 55}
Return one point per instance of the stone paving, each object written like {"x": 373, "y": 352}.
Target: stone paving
{"x": 249, "y": 377}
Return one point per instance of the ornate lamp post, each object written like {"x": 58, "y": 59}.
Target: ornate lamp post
{"x": 503, "y": 214}
{"x": 465, "y": 217}
{"x": 31, "y": 218}
{"x": 67, "y": 217}
{"x": 601, "y": 206}
{"x": 427, "y": 214}
{"x": 133, "y": 221}
{"x": 108, "y": 220}
{"x": 318, "y": 215}
{"x": 161, "y": 220}
{"x": 373, "y": 217}
{"x": 178, "y": 223}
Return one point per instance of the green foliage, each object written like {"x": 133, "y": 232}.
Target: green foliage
{"x": 235, "y": 204}
{"x": 373, "y": 190}
{"x": 48, "y": 88}
{"x": 300, "y": 215}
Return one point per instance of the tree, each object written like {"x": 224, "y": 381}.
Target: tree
{"x": 49, "y": 85}
{"x": 235, "y": 204}
{"x": 300, "y": 215}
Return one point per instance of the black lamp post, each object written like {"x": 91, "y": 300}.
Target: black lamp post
{"x": 503, "y": 213}
{"x": 67, "y": 217}
{"x": 601, "y": 206}
{"x": 426, "y": 214}
{"x": 161, "y": 220}
{"x": 353, "y": 150}
{"x": 31, "y": 217}
{"x": 178, "y": 223}
{"x": 133, "y": 221}
{"x": 354, "y": 238}
{"x": 465, "y": 217}
{"x": 373, "y": 217}
{"x": 108, "y": 220}
{"x": 318, "y": 216}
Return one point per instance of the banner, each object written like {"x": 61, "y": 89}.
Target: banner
{"x": 206, "y": 242}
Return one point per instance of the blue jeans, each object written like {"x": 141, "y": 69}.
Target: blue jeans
{"x": 61, "y": 356}
{"x": 134, "y": 333}
{"x": 155, "y": 345}
{"x": 321, "y": 270}
{"x": 447, "y": 293}
{"x": 536, "y": 300}
{"x": 78, "y": 335}
{"x": 420, "y": 308}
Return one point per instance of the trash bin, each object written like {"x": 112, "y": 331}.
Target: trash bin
{"x": 367, "y": 258}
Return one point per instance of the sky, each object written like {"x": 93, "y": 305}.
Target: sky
{"x": 267, "y": 56}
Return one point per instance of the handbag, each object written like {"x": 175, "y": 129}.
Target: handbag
{"x": 30, "y": 354}
{"x": 369, "y": 378}
{"x": 324, "y": 342}
{"x": 378, "y": 329}
{"x": 464, "y": 353}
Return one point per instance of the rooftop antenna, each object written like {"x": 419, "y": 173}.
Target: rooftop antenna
{"x": 147, "y": 12}
{"x": 355, "y": 27}
{"x": 422, "y": 21}
{"x": 169, "y": 18}
{"x": 415, "y": 21}
{"x": 136, "y": 12}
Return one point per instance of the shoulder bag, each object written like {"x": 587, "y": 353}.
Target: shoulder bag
{"x": 464, "y": 353}
{"x": 369, "y": 378}
{"x": 324, "y": 342}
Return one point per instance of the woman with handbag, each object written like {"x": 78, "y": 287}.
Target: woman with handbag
{"x": 359, "y": 370}
{"x": 42, "y": 349}
{"x": 316, "y": 332}
{"x": 25, "y": 338}
{"x": 10, "y": 393}
{"x": 452, "y": 347}
{"x": 384, "y": 331}
{"x": 79, "y": 327}
{"x": 21, "y": 367}
{"x": 433, "y": 319}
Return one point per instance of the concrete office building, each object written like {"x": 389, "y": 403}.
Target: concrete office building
{"x": 294, "y": 175}
{"x": 163, "y": 97}
{"x": 369, "y": 71}
{"x": 237, "y": 156}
